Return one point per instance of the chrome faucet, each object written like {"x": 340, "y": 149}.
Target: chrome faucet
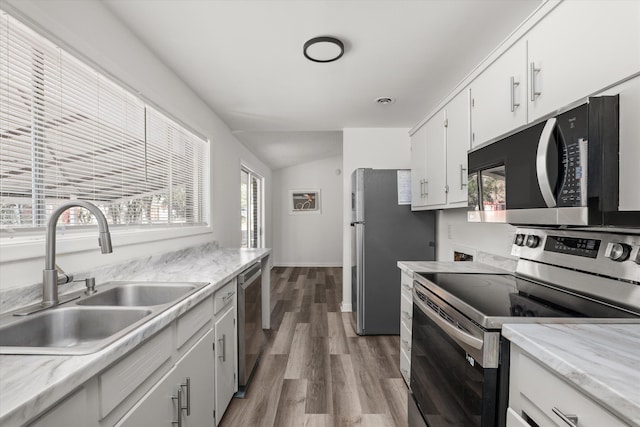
{"x": 50, "y": 273}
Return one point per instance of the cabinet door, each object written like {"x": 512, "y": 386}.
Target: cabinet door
{"x": 197, "y": 365}
{"x": 418, "y": 168}
{"x": 499, "y": 102}
{"x": 580, "y": 48}
{"x": 434, "y": 186}
{"x": 457, "y": 112}
{"x": 225, "y": 361}
{"x": 156, "y": 408}
{"x": 159, "y": 407}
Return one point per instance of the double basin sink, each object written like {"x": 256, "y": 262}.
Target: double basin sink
{"x": 90, "y": 323}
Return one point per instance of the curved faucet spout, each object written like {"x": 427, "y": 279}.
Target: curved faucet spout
{"x": 50, "y": 273}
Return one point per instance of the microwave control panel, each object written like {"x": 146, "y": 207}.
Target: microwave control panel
{"x": 573, "y": 192}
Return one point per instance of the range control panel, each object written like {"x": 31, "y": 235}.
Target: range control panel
{"x": 610, "y": 254}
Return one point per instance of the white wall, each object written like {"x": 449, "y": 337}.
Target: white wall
{"x": 455, "y": 233}
{"x": 367, "y": 148}
{"x": 87, "y": 29}
{"x": 308, "y": 239}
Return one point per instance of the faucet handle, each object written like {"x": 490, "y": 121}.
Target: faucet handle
{"x": 90, "y": 283}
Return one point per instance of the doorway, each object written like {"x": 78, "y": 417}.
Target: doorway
{"x": 251, "y": 208}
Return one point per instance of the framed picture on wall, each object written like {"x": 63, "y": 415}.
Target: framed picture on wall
{"x": 304, "y": 201}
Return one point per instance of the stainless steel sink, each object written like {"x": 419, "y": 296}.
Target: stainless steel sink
{"x": 135, "y": 294}
{"x": 87, "y": 324}
{"x": 69, "y": 330}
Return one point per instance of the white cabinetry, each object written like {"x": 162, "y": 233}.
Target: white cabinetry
{"x": 537, "y": 394}
{"x": 72, "y": 412}
{"x": 418, "y": 168}
{"x": 184, "y": 394}
{"x": 579, "y": 48}
{"x": 498, "y": 96}
{"x": 226, "y": 355}
{"x": 439, "y": 157}
{"x": 406, "y": 313}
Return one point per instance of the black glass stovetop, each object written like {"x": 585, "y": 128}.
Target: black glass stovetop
{"x": 508, "y": 296}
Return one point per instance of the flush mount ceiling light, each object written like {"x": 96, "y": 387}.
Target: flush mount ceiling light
{"x": 385, "y": 100}
{"x": 323, "y": 49}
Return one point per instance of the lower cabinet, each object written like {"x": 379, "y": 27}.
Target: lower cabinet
{"x": 226, "y": 361}
{"x": 406, "y": 313}
{"x": 184, "y": 396}
{"x": 71, "y": 412}
{"x": 537, "y": 397}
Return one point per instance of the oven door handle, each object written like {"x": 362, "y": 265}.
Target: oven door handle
{"x": 450, "y": 329}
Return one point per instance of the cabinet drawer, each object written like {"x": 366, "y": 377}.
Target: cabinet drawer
{"x": 119, "y": 381}
{"x": 192, "y": 321}
{"x": 545, "y": 392}
{"x": 405, "y": 366}
{"x": 224, "y": 296}
{"x": 406, "y": 311}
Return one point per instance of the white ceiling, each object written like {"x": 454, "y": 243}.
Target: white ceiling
{"x": 244, "y": 58}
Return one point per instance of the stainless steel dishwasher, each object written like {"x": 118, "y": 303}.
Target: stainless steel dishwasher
{"x": 250, "y": 334}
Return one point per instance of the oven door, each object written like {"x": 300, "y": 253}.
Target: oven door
{"x": 450, "y": 385}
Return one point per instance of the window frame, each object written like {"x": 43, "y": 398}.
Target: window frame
{"x": 21, "y": 243}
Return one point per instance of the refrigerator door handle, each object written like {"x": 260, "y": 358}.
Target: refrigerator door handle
{"x": 356, "y": 223}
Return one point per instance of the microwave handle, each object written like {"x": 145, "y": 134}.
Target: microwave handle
{"x": 541, "y": 163}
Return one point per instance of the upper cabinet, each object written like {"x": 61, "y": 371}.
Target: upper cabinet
{"x": 499, "y": 96}
{"x": 439, "y": 157}
{"x": 565, "y": 52}
{"x": 578, "y": 49}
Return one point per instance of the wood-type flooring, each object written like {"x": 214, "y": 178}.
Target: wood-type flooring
{"x": 315, "y": 371}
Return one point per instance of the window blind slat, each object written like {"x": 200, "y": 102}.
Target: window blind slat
{"x": 68, "y": 132}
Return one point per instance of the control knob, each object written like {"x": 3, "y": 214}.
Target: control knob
{"x": 532, "y": 241}
{"x": 618, "y": 251}
{"x": 519, "y": 239}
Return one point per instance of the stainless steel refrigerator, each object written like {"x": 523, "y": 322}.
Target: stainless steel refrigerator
{"x": 383, "y": 232}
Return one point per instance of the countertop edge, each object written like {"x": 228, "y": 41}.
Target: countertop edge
{"x": 608, "y": 397}
{"x": 80, "y": 368}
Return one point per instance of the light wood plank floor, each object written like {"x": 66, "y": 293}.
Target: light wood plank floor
{"x": 315, "y": 371}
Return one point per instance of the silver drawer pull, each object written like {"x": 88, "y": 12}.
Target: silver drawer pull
{"x": 407, "y": 287}
{"x": 179, "y": 407}
{"x": 571, "y": 420}
{"x": 223, "y": 343}
{"x": 406, "y": 314}
{"x": 187, "y": 384}
{"x": 407, "y": 345}
{"x": 226, "y": 297}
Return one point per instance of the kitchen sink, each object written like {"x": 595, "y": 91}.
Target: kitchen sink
{"x": 136, "y": 294}
{"x": 69, "y": 330}
{"x": 85, "y": 324}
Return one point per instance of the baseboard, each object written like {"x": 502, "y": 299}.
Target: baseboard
{"x": 345, "y": 308}
{"x": 307, "y": 264}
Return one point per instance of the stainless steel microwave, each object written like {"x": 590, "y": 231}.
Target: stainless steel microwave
{"x": 561, "y": 171}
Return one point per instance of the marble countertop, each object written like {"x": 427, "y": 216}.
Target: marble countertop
{"x": 30, "y": 384}
{"x": 599, "y": 360}
{"x": 448, "y": 267}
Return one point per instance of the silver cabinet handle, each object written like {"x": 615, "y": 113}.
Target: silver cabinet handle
{"x": 462, "y": 169}
{"x": 404, "y": 372}
{"x": 187, "y": 384}
{"x": 179, "y": 407}
{"x": 514, "y": 85}
{"x": 407, "y": 345}
{"x": 406, "y": 314}
{"x": 227, "y": 296}
{"x": 426, "y": 187}
{"x": 571, "y": 420}
{"x": 223, "y": 342}
{"x": 407, "y": 287}
{"x": 532, "y": 72}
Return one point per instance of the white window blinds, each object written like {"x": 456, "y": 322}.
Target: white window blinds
{"x": 68, "y": 132}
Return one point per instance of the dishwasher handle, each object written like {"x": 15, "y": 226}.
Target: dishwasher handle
{"x": 248, "y": 276}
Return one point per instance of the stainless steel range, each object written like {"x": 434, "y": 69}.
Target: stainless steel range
{"x": 459, "y": 360}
